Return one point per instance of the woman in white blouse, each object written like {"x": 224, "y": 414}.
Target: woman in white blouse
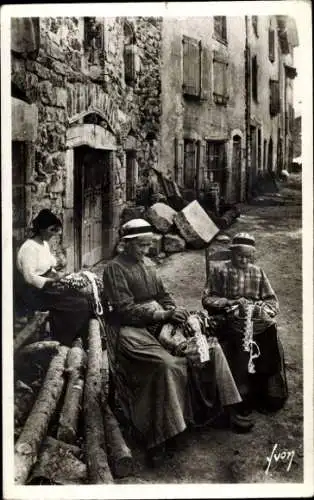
{"x": 69, "y": 310}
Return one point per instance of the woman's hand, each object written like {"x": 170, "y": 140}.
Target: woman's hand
{"x": 179, "y": 315}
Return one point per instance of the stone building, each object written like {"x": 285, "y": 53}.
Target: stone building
{"x": 270, "y": 43}
{"x": 85, "y": 121}
{"x": 98, "y": 101}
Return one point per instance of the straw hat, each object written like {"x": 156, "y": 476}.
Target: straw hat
{"x": 135, "y": 228}
{"x": 245, "y": 240}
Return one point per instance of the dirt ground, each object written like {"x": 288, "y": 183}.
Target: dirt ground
{"x": 209, "y": 455}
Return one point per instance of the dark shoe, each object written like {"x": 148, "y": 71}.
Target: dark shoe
{"x": 156, "y": 456}
{"x": 241, "y": 420}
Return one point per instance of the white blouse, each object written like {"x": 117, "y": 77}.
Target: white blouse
{"x": 34, "y": 259}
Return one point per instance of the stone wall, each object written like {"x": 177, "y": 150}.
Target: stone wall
{"x": 68, "y": 61}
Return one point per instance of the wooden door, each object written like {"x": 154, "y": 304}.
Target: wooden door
{"x": 236, "y": 169}
{"x": 92, "y": 185}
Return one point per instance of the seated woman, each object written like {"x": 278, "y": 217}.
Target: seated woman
{"x": 160, "y": 393}
{"x": 240, "y": 294}
{"x": 69, "y": 310}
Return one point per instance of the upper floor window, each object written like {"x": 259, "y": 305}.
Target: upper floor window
{"x": 191, "y": 67}
{"x": 93, "y": 40}
{"x": 271, "y": 44}
{"x": 220, "y": 70}
{"x": 274, "y": 97}
{"x": 220, "y": 28}
{"x": 254, "y": 78}
{"x": 131, "y": 56}
{"x": 255, "y": 25}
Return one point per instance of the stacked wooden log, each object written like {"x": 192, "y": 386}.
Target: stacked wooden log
{"x": 66, "y": 432}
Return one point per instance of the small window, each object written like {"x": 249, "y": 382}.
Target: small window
{"x": 255, "y": 25}
{"x": 254, "y": 78}
{"x": 274, "y": 97}
{"x": 220, "y": 28}
{"x": 191, "y": 67}
{"x": 220, "y": 93}
{"x": 271, "y": 44}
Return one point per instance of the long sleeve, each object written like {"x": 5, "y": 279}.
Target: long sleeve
{"x": 118, "y": 293}
{"x": 164, "y": 297}
{"x": 268, "y": 300}
{"x": 33, "y": 260}
{"x": 213, "y": 296}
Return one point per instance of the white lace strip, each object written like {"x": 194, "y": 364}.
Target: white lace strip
{"x": 98, "y": 306}
{"x": 248, "y": 342}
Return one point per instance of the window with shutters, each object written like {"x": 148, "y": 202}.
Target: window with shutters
{"x": 220, "y": 92}
{"x": 255, "y": 25}
{"x": 216, "y": 161}
{"x": 254, "y": 78}
{"x": 93, "y": 40}
{"x": 130, "y": 55}
{"x": 191, "y": 67}
{"x": 271, "y": 45}
{"x": 274, "y": 97}
{"x": 220, "y": 28}
{"x": 131, "y": 175}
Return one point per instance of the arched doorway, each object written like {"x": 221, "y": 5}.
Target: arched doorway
{"x": 89, "y": 194}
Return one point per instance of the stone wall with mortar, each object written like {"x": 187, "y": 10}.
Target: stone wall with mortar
{"x": 70, "y": 61}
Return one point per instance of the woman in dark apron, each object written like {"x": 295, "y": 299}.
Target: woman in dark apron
{"x": 69, "y": 310}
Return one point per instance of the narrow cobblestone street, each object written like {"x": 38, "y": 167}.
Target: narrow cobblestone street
{"x": 211, "y": 455}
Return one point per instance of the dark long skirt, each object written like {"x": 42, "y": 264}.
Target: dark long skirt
{"x": 69, "y": 311}
{"x": 267, "y": 387}
{"x": 162, "y": 394}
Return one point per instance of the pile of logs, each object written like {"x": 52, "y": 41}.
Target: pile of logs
{"x": 66, "y": 432}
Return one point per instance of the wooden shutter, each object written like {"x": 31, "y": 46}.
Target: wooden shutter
{"x": 271, "y": 44}
{"x": 130, "y": 55}
{"x": 25, "y": 35}
{"x": 191, "y": 67}
{"x": 220, "y": 27}
{"x": 220, "y": 67}
{"x": 205, "y": 71}
{"x": 274, "y": 97}
{"x": 254, "y": 78}
{"x": 179, "y": 161}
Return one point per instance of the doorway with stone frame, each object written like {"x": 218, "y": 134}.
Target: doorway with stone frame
{"x": 91, "y": 205}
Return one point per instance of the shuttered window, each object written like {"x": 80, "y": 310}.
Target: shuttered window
{"x": 220, "y": 68}
{"x": 220, "y": 28}
{"x": 271, "y": 45}
{"x": 191, "y": 67}
{"x": 255, "y": 25}
{"x": 274, "y": 97}
{"x": 254, "y": 78}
